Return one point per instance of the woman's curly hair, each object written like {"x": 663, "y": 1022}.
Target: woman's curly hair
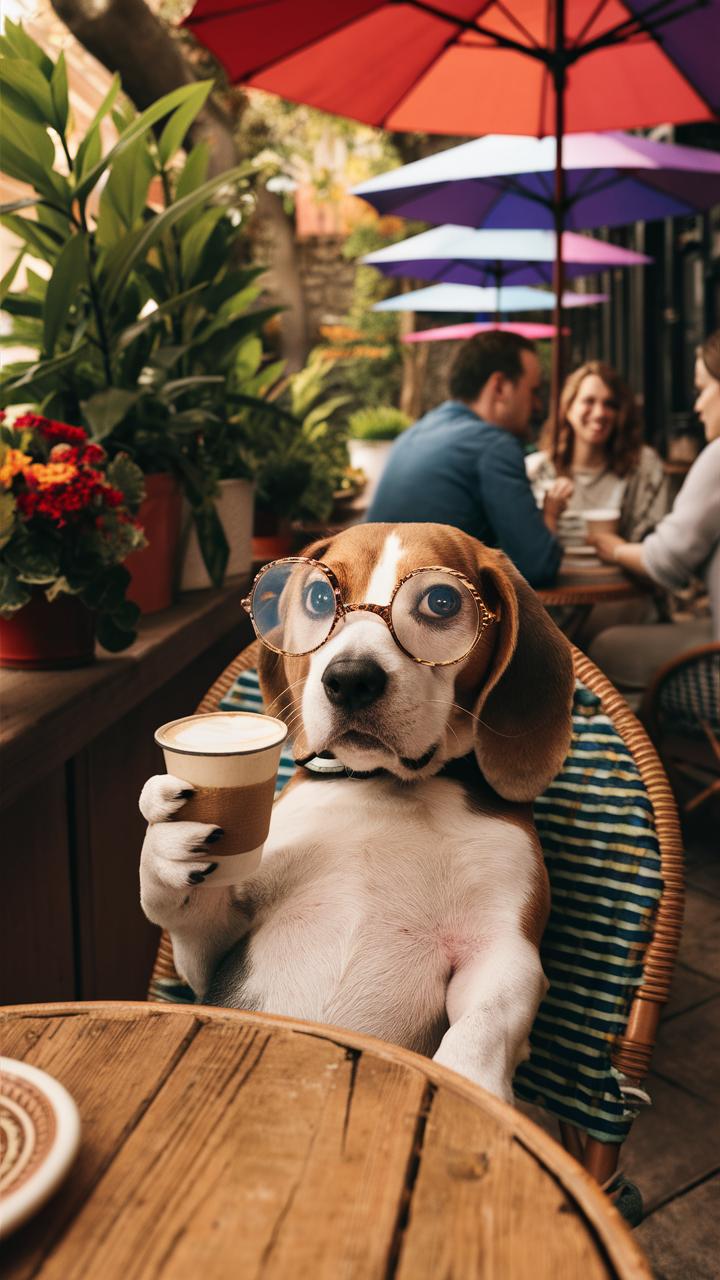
{"x": 623, "y": 447}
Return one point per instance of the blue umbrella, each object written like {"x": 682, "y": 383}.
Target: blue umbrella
{"x": 497, "y": 181}
{"x": 457, "y": 255}
{"x": 478, "y": 301}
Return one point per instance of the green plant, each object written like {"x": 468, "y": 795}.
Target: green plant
{"x": 378, "y": 422}
{"x": 298, "y": 461}
{"x": 141, "y": 328}
{"x": 67, "y": 521}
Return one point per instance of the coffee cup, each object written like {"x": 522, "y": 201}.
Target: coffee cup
{"x": 602, "y": 520}
{"x": 231, "y": 760}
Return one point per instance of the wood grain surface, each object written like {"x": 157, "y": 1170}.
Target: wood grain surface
{"x": 218, "y": 1144}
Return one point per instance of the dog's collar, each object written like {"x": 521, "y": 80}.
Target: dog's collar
{"x": 326, "y": 766}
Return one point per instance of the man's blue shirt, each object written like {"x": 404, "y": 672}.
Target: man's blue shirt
{"x": 454, "y": 468}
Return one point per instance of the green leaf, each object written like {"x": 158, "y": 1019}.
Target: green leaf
{"x": 42, "y": 245}
{"x": 172, "y": 390}
{"x": 13, "y": 595}
{"x": 138, "y": 247}
{"x": 26, "y": 90}
{"x": 194, "y": 171}
{"x": 90, "y": 149}
{"x": 18, "y": 44}
{"x": 194, "y": 241}
{"x": 7, "y": 518}
{"x": 14, "y": 205}
{"x": 146, "y": 322}
{"x": 177, "y": 126}
{"x": 6, "y": 282}
{"x": 36, "y": 373}
{"x": 112, "y": 637}
{"x": 59, "y": 94}
{"x": 212, "y": 541}
{"x": 125, "y": 475}
{"x": 32, "y": 563}
{"x": 127, "y": 186}
{"x": 69, "y": 274}
{"x": 139, "y": 126}
{"x": 26, "y": 161}
{"x": 106, "y": 409}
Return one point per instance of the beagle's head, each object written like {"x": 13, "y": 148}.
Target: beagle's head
{"x": 360, "y": 697}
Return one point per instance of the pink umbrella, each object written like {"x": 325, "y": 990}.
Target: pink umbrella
{"x": 451, "y": 332}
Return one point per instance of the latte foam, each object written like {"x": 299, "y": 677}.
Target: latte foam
{"x": 223, "y": 733}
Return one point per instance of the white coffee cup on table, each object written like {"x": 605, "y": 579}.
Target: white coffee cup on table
{"x": 231, "y": 760}
{"x": 602, "y": 520}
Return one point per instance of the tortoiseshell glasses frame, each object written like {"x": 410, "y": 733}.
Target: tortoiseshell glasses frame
{"x": 384, "y": 611}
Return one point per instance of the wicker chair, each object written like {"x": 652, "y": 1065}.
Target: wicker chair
{"x": 631, "y": 1051}
{"x": 681, "y": 708}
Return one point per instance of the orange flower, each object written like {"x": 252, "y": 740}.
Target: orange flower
{"x": 46, "y": 474}
{"x": 14, "y": 464}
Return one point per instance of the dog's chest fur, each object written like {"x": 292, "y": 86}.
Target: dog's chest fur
{"x": 370, "y": 895}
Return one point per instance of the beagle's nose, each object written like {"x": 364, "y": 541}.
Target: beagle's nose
{"x": 353, "y": 683}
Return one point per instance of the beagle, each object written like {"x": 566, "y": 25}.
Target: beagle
{"x": 404, "y": 896}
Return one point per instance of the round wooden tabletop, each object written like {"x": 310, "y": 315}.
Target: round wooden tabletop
{"x": 218, "y": 1143}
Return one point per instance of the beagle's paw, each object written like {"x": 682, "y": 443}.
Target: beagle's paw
{"x": 175, "y": 854}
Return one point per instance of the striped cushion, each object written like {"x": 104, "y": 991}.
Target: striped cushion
{"x": 596, "y": 827}
{"x": 691, "y": 694}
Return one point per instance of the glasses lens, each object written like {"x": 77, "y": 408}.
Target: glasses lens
{"x": 435, "y": 617}
{"x": 293, "y": 606}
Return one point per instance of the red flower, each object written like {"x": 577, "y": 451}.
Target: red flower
{"x": 59, "y": 432}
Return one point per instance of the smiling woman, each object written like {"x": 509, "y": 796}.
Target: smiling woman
{"x": 598, "y": 459}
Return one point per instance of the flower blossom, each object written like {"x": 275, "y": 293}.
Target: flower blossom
{"x": 14, "y": 464}
{"x": 60, "y": 432}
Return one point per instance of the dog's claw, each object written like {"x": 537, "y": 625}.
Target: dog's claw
{"x": 197, "y": 877}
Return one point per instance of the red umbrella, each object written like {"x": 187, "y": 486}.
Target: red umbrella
{"x": 478, "y": 66}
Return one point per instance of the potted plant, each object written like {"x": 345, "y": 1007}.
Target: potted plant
{"x": 298, "y": 459}
{"x": 67, "y": 523}
{"x": 371, "y": 435}
{"x": 143, "y": 306}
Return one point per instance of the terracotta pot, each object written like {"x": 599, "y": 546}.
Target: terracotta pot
{"x": 45, "y": 636}
{"x": 153, "y": 570}
{"x": 272, "y": 537}
{"x": 235, "y": 509}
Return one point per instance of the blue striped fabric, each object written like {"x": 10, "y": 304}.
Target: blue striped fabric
{"x": 596, "y": 827}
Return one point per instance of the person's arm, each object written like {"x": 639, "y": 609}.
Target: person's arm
{"x": 511, "y": 509}
{"x": 686, "y": 538}
{"x": 615, "y": 550}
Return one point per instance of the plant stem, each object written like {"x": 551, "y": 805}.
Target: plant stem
{"x": 95, "y": 299}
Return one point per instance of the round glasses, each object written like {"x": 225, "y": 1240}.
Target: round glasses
{"x": 436, "y": 615}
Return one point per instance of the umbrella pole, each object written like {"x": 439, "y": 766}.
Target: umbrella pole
{"x": 559, "y": 79}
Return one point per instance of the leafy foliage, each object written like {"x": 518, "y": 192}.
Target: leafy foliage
{"x": 377, "y": 422}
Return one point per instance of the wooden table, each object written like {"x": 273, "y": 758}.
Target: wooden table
{"x": 578, "y": 589}
{"x": 221, "y": 1144}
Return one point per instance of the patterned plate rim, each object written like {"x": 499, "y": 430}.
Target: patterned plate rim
{"x": 61, "y": 1141}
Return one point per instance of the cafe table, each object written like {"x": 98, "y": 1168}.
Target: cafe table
{"x": 219, "y": 1143}
{"x": 580, "y": 585}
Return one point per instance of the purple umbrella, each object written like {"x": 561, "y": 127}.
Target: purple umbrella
{"x": 456, "y": 255}
{"x": 611, "y": 179}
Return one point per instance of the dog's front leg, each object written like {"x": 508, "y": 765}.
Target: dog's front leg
{"x": 492, "y": 1000}
{"x": 176, "y": 869}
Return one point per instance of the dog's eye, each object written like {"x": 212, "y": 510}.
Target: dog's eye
{"x": 319, "y": 599}
{"x": 440, "y": 602}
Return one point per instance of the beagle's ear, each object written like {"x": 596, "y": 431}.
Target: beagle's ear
{"x": 523, "y": 715}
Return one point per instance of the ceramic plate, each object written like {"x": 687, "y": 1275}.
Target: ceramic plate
{"x": 39, "y": 1136}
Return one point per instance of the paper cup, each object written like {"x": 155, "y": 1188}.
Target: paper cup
{"x": 231, "y": 759}
{"x": 602, "y": 520}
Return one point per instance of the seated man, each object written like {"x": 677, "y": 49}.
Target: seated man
{"x": 463, "y": 463}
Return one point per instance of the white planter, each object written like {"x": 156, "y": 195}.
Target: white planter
{"x": 235, "y": 508}
{"x": 371, "y": 456}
